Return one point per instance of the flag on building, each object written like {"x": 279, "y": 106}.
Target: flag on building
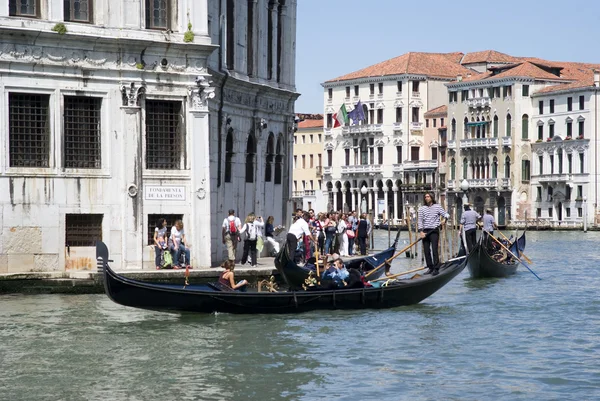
{"x": 341, "y": 117}
{"x": 357, "y": 114}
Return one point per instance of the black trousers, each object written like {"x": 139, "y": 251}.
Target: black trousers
{"x": 292, "y": 244}
{"x": 249, "y": 247}
{"x": 430, "y": 246}
{"x": 362, "y": 243}
{"x": 471, "y": 236}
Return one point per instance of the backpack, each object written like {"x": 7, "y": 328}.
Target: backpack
{"x": 232, "y": 227}
{"x": 167, "y": 259}
{"x": 251, "y": 231}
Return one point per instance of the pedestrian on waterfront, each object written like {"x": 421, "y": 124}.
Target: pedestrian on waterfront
{"x": 320, "y": 232}
{"x": 330, "y": 230}
{"x": 251, "y": 228}
{"x": 230, "y": 232}
{"x": 160, "y": 241}
{"x": 352, "y": 226}
{"x": 430, "y": 220}
{"x": 272, "y": 244}
{"x": 295, "y": 233}
{"x": 468, "y": 223}
{"x": 179, "y": 245}
{"x": 342, "y": 227}
{"x": 363, "y": 231}
{"x": 227, "y": 278}
{"x": 489, "y": 224}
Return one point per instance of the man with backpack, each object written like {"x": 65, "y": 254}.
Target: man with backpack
{"x": 253, "y": 228}
{"x": 231, "y": 233}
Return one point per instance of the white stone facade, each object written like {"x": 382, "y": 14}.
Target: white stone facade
{"x": 154, "y": 111}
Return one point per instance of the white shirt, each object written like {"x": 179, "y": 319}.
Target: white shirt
{"x": 176, "y": 235}
{"x": 299, "y": 227}
{"x": 238, "y": 223}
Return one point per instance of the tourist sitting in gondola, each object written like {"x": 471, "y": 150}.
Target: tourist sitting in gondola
{"x": 336, "y": 273}
{"x": 227, "y": 278}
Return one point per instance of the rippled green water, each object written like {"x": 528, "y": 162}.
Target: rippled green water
{"x": 510, "y": 339}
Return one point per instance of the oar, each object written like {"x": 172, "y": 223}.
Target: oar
{"x": 521, "y": 253}
{"x": 317, "y": 265}
{"x": 399, "y": 274}
{"x": 512, "y": 254}
{"x": 390, "y": 259}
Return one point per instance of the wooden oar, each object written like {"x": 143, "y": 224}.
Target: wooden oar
{"x": 399, "y": 274}
{"x": 522, "y": 254}
{"x": 317, "y": 265}
{"x": 512, "y": 254}
{"x": 390, "y": 259}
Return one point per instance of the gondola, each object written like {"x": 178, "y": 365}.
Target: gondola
{"x": 481, "y": 264}
{"x": 209, "y": 298}
{"x": 295, "y": 275}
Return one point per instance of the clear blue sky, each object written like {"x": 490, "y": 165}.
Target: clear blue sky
{"x": 335, "y": 37}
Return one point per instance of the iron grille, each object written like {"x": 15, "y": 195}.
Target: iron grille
{"x": 163, "y": 135}
{"x": 78, "y": 10}
{"x": 82, "y": 132}
{"x": 83, "y": 229}
{"x": 157, "y": 14}
{"x": 24, "y": 8}
{"x": 153, "y": 222}
{"x": 29, "y": 135}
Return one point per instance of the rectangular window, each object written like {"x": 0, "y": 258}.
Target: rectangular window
{"x": 319, "y": 181}
{"x": 310, "y": 139}
{"x": 540, "y": 132}
{"x": 29, "y": 130}
{"x": 398, "y": 154}
{"x": 24, "y": 8}
{"x": 550, "y": 212}
{"x": 164, "y": 135}
{"x": 155, "y": 219}
{"x": 579, "y": 192}
{"x": 380, "y": 88}
{"x": 434, "y": 122}
{"x": 82, "y": 133}
{"x": 312, "y": 161}
{"x": 330, "y": 93}
{"x": 541, "y": 107}
{"x": 441, "y": 122}
{"x": 78, "y": 10}
{"x": 319, "y": 160}
{"x": 379, "y": 116}
{"x": 541, "y": 164}
{"x": 303, "y": 139}
{"x": 525, "y": 90}
{"x": 329, "y": 120}
{"x": 464, "y": 95}
{"x": 551, "y": 106}
{"x": 399, "y": 86}
{"x": 319, "y": 138}
{"x": 347, "y": 152}
{"x": 426, "y": 123}
{"x": 569, "y": 104}
{"x": 538, "y": 212}
{"x": 415, "y": 86}
{"x": 580, "y": 212}
{"x": 581, "y": 102}
{"x": 551, "y": 128}
{"x": 581, "y": 128}
{"x": 414, "y": 152}
{"x": 355, "y": 90}
{"x": 372, "y": 114}
{"x": 83, "y": 229}
{"x": 567, "y": 192}
{"x": 347, "y": 91}
{"x": 581, "y": 164}
{"x": 497, "y": 91}
{"x": 434, "y": 154}
{"x": 415, "y": 114}
{"x": 539, "y": 194}
{"x": 570, "y": 163}
{"x": 303, "y": 161}
{"x": 295, "y": 161}
{"x": 525, "y": 171}
{"x": 329, "y": 157}
{"x": 569, "y": 129}
{"x": 372, "y": 89}
{"x": 398, "y": 114}
{"x": 551, "y": 164}
{"x": 157, "y": 14}
{"x": 380, "y": 155}
{"x": 568, "y": 211}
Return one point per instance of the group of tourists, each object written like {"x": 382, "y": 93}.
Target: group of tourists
{"x": 328, "y": 233}
{"x": 171, "y": 249}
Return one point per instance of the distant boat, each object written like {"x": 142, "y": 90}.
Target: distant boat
{"x": 481, "y": 264}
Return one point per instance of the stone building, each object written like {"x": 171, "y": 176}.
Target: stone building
{"x": 117, "y": 113}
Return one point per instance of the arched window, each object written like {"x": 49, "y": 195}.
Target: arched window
{"x": 270, "y": 157}
{"x": 507, "y": 167}
{"x": 250, "y": 155}
{"x": 229, "y": 155}
{"x": 364, "y": 152}
{"x": 465, "y": 168}
{"x": 495, "y": 168}
{"x": 478, "y": 129}
{"x": 495, "y": 126}
{"x": 508, "y": 125}
{"x": 452, "y": 169}
{"x": 453, "y": 129}
{"x": 525, "y": 127}
{"x": 466, "y": 128}
{"x": 279, "y": 159}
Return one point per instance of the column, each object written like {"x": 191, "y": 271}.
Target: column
{"x": 133, "y": 240}
{"x": 397, "y": 208}
{"x": 334, "y": 198}
{"x": 370, "y": 208}
{"x": 198, "y": 129}
{"x": 356, "y": 200}
{"x": 387, "y": 208}
{"x": 343, "y": 195}
{"x": 351, "y": 203}
{"x": 272, "y": 63}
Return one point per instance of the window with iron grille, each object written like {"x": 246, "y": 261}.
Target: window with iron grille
{"x": 157, "y": 14}
{"x": 164, "y": 135}
{"x": 78, "y": 10}
{"x": 153, "y": 221}
{"x": 83, "y": 229}
{"x": 24, "y": 8}
{"x": 29, "y": 130}
{"x": 82, "y": 145}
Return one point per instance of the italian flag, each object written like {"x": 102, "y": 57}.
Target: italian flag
{"x": 341, "y": 117}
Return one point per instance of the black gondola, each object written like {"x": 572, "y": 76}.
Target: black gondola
{"x": 481, "y": 264}
{"x": 208, "y": 298}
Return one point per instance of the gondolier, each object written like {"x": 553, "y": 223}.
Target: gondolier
{"x": 299, "y": 228}
{"x": 468, "y": 223}
{"x": 489, "y": 224}
{"x": 430, "y": 215}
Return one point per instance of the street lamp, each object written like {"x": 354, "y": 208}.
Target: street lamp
{"x": 464, "y": 185}
{"x": 584, "y": 214}
{"x": 363, "y": 204}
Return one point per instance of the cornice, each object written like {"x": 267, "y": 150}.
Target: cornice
{"x": 383, "y": 78}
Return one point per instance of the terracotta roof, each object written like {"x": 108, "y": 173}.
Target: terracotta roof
{"x": 487, "y": 56}
{"x": 584, "y": 83}
{"x": 311, "y": 123}
{"x": 523, "y": 69}
{"x": 438, "y": 111}
{"x": 429, "y": 64}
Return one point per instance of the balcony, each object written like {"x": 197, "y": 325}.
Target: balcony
{"x": 416, "y": 126}
{"x": 548, "y": 178}
{"x": 310, "y": 192}
{"x": 363, "y": 129}
{"x": 397, "y": 127}
{"x": 452, "y": 184}
{"x": 362, "y": 169}
{"x": 505, "y": 183}
{"x": 452, "y": 144}
{"x": 327, "y": 132}
{"x": 327, "y": 170}
{"x": 420, "y": 164}
{"x": 479, "y": 102}
{"x": 413, "y": 187}
{"x": 478, "y": 143}
{"x": 488, "y": 183}
{"x": 297, "y": 194}
{"x": 306, "y": 192}
{"x": 398, "y": 168}
{"x": 507, "y": 141}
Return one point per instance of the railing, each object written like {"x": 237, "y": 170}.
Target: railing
{"x": 507, "y": 141}
{"x": 483, "y": 183}
{"x": 309, "y": 192}
{"x": 417, "y": 164}
{"x": 363, "y": 129}
{"x": 306, "y": 192}
{"x": 416, "y": 126}
{"x": 327, "y": 170}
{"x": 479, "y": 143}
{"x": 479, "y": 102}
{"x": 362, "y": 169}
{"x": 452, "y": 144}
{"x": 505, "y": 182}
{"x": 297, "y": 194}
{"x": 553, "y": 178}
{"x": 397, "y": 127}
{"x": 398, "y": 168}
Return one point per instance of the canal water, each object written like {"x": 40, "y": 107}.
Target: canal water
{"x": 501, "y": 339}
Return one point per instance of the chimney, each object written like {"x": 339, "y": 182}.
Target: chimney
{"x": 468, "y": 75}
{"x": 596, "y": 78}
{"x": 458, "y": 78}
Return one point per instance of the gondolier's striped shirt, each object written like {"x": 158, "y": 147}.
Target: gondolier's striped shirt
{"x": 429, "y": 216}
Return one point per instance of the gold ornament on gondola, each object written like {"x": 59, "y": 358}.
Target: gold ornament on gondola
{"x": 270, "y": 285}
{"x": 310, "y": 281}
